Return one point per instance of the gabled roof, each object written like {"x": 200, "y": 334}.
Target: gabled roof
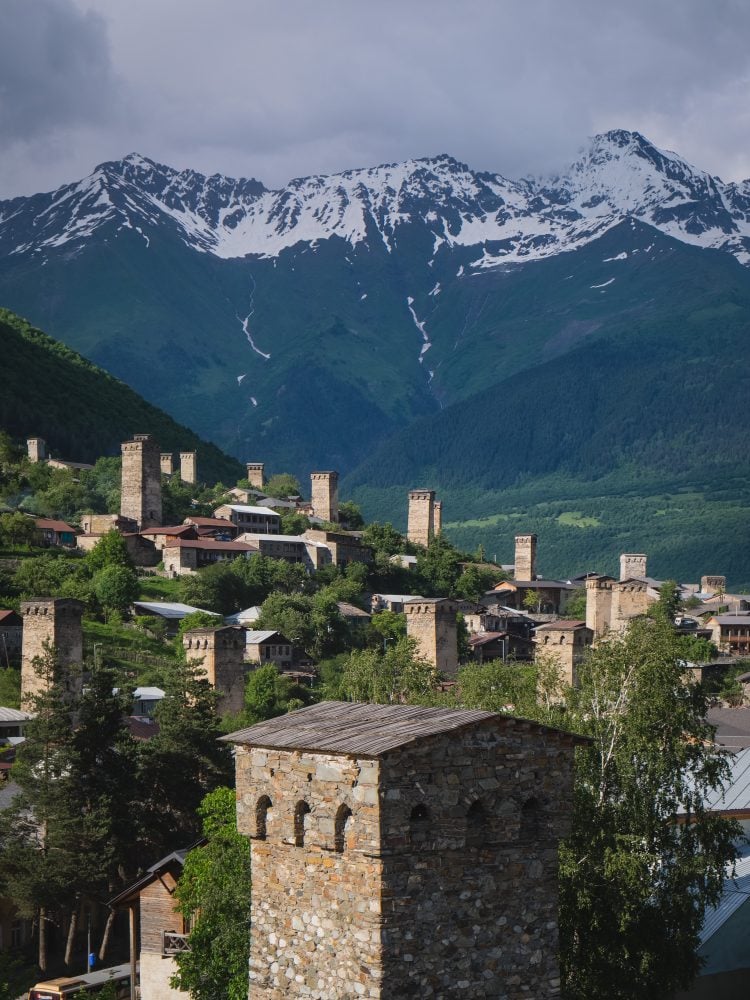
{"x": 242, "y": 508}
{"x": 47, "y": 524}
{"x": 562, "y": 624}
{"x": 366, "y": 730}
{"x": 252, "y": 638}
{"x": 736, "y": 893}
{"x": 172, "y": 861}
{"x": 14, "y": 715}
{"x": 9, "y": 617}
{"x": 211, "y": 545}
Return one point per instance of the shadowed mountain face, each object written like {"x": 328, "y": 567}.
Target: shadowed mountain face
{"x": 308, "y": 325}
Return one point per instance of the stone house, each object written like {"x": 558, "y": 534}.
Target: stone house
{"x": 268, "y": 646}
{"x": 188, "y": 555}
{"x": 219, "y": 528}
{"x": 392, "y": 602}
{"x": 345, "y": 546}
{"x": 486, "y": 646}
{"x": 157, "y": 929}
{"x": 255, "y": 520}
{"x": 553, "y": 595}
{"x": 400, "y": 851}
{"x": 290, "y": 548}
{"x": 163, "y": 535}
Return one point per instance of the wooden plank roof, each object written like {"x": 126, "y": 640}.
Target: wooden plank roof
{"x": 361, "y": 730}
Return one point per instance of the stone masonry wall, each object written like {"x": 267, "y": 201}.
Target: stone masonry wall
{"x": 632, "y": 564}
{"x": 189, "y": 467}
{"x": 598, "y": 606}
{"x": 220, "y": 653}
{"x": 433, "y": 625}
{"x": 166, "y": 461}
{"x": 324, "y": 488}
{"x": 629, "y": 599}
{"x": 443, "y": 883}
{"x": 141, "y": 481}
{"x": 525, "y": 557}
{"x": 316, "y": 906}
{"x": 255, "y": 474}
{"x": 421, "y": 522}
{"x": 470, "y": 891}
{"x": 55, "y": 622}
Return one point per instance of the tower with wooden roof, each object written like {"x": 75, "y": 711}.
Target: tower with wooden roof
{"x": 400, "y": 851}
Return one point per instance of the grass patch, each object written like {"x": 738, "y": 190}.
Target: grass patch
{"x": 155, "y": 588}
{"x": 575, "y": 519}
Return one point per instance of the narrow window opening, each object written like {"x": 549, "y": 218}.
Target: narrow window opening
{"x": 262, "y": 811}
{"x": 419, "y": 824}
{"x": 476, "y": 824}
{"x": 301, "y": 811}
{"x": 530, "y": 820}
{"x": 343, "y": 816}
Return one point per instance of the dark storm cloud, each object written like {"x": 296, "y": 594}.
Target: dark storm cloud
{"x": 282, "y": 88}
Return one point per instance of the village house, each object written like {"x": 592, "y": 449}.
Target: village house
{"x": 290, "y": 548}
{"x": 731, "y": 633}
{"x": 373, "y": 825}
{"x": 157, "y": 929}
{"x": 248, "y": 519}
{"x": 161, "y": 536}
{"x": 268, "y": 646}
{"x": 55, "y": 533}
{"x": 345, "y": 546}
{"x": 545, "y": 597}
{"x": 392, "y": 602}
{"x": 213, "y": 527}
{"x": 188, "y": 555}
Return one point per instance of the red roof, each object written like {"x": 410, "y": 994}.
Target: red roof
{"x": 209, "y": 522}
{"x": 484, "y": 637}
{"x": 8, "y": 616}
{"x": 46, "y": 524}
{"x": 176, "y": 529}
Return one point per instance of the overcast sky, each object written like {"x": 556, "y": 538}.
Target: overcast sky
{"x": 276, "y": 89}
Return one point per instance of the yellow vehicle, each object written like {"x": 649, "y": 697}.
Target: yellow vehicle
{"x": 91, "y": 983}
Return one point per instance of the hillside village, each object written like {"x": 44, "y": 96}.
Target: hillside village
{"x": 335, "y": 599}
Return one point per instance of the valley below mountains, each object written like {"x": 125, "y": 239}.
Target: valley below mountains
{"x": 563, "y": 354}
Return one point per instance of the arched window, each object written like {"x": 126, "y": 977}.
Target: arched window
{"x": 476, "y": 824}
{"x": 530, "y": 820}
{"x": 262, "y": 810}
{"x": 301, "y": 811}
{"x": 419, "y": 824}
{"x": 343, "y": 816}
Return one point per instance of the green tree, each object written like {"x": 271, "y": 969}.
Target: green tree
{"x": 282, "y": 485}
{"x": 438, "y": 568}
{"x": 293, "y": 523}
{"x": 391, "y": 677}
{"x": 635, "y": 882}
{"x": 183, "y": 762}
{"x": 17, "y": 529}
{"x": 668, "y": 603}
{"x": 115, "y": 587}
{"x": 532, "y": 601}
{"x": 110, "y": 550}
{"x": 383, "y": 538}
{"x": 350, "y": 515}
{"x": 389, "y": 626}
{"x": 474, "y": 581}
{"x": 496, "y": 686}
{"x": 214, "y": 890}
{"x": 267, "y": 694}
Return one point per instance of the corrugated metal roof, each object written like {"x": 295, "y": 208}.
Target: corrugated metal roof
{"x": 360, "y": 729}
{"x": 170, "y": 609}
{"x": 13, "y": 715}
{"x": 562, "y": 624}
{"x": 736, "y": 892}
{"x": 253, "y": 637}
{"x": 242, "y": 508}
{"x": 248, "y": 615}
{"x": 736, "y": 795}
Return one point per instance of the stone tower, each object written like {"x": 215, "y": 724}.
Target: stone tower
{"x": 141, "y": 481}
{"x": 432, "y": 622}
{"x": 36, "y": 449}
{"x": 166, "y": 460}
{"x": 525, "y": 559}
{"x": 189, "y": 467}
{"x": 221, "y": 652}
{"x": 632, "y": 564}
{"x": 325, "y": 495}
{"x": 629, "y": 600}
{"x": 50, "y": 622}
{"x": 400, "y": 851}
{"x": 255, "y": 474}
{"x": 713, "y": 584}
{"x": 567, "y": 641}
{"x": 437, "y": 517}
{"x": 599, "y": 604}
{"x": 421, "y": 524}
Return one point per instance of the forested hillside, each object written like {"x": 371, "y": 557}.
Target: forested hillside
{"x": 79, "y": 409}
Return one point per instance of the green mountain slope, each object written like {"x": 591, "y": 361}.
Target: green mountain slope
{"x": 634, "y": 441}
{"x": 81, "y": 410}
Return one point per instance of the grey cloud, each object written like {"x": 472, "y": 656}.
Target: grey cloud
{"x": 54, "y": 68}
{"x": 282, "y": 88}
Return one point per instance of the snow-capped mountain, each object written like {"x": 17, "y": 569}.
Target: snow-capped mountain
{"x": 618, "y": 175}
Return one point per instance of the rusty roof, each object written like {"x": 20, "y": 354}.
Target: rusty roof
{"x": 46, "y": 523}
{"x": 561, "y": 624}
{"x": 212, "y": 545}
{"x": 364, "y": 730}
